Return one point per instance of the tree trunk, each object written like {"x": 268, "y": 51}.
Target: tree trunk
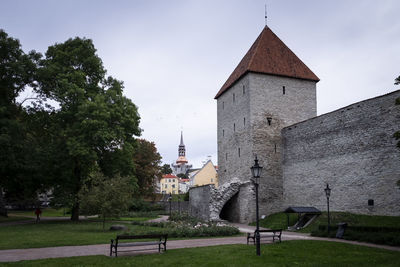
{"x": 75, "y": 207}
{"x": 3, "y": 209}
{"x": 75, "y": 212}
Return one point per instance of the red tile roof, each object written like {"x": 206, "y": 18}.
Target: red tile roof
{"x": 269, "y": 55}
{"x": 169, "y": 176}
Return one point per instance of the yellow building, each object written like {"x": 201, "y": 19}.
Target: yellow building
{"x": 206, "y": 175}
{"x": 169, "y": 184}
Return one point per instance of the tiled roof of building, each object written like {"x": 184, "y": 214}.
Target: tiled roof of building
{"x": 269, "y": 55}
{"x": 169, "y": 176}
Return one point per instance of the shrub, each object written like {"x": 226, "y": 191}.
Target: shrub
{"x": 186, "y": 229}
{"x": 144, "y": 206}
{"x": 201, "y": 231}
{"x": 183, "y": 218}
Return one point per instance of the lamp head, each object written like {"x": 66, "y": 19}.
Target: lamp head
{"x": 327, "y": 191}
{"x": 256, "y": 170}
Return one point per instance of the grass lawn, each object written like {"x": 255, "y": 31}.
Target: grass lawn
{"x": 278, "y": 220}
{"x": 47, "y": 212}
{"x": 289, "y": 253}
{"x": 66, "y": 233}
{"x": 12, "y": 218}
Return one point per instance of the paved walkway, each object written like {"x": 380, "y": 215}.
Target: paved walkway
{"x": 11, "y": 255}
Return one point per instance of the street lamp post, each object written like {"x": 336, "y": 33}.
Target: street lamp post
{"x": 256, "y": 172}
{"x": 179, "y": 199}
{"x": 328, "y": 194}
{"x": 170, "y": 202}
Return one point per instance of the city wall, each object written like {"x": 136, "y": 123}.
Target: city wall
{"x": 353, "y": 150}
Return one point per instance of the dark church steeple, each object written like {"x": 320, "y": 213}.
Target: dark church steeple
{"x": 181, "y": 149}
{"x": 181, "y": 152}
{"x": 181, "y": 165}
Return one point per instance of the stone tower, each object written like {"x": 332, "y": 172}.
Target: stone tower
{"x": 270, "y": 89}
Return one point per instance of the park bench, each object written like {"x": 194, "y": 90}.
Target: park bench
{"x": 274, "y": 233}
{"x": 137, "y": 242}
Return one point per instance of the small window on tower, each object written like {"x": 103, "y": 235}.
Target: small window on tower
{"x": 223, "y": 105}
{"x": 283, "y": 90}
{"x": 244, "y": 121}
{"x": 269, "y": 119}
{"x": 233, "y": 98}
{"x": 223, "y": 132}
{"x": 239, "y": 152}
{"x": 234, "y": 127}
{"x": 244, "y": 89}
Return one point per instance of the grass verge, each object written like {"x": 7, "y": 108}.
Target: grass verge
{"x": 47, "y": 212}
{"x": 279, "y": 220}
{"x": 68, "y": 233}
{"x": 56, "y": 233}
{"x": 289, "y": 253}
{"x": 12, "y": 218}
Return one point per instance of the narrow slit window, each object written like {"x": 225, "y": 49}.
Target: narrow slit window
{"x": 244, "y": 121}
{"x": 234, "y": 127}
{"x": 239, "y": 151}
{"x": 223, "y": 105}
{"x": 223, "y": 132}
{"x": 283, "y": 90}
{"x": 233, "y": 98}
{"x": 275, "y": 147}
{"x": 269, "y": 119}
{"x": 244, "y": 89}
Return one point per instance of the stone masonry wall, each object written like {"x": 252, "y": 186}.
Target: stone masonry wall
{"x": 199, "y": 201}
{"x": 267, "y": 100}
{"x": 243, "y": 131}
{"x": 353, "y": 150}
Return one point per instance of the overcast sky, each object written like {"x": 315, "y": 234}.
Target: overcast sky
{"x": 174, "y": 56}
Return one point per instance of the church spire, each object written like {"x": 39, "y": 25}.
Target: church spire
{"x": 182, "y": 144}
{"x": 181, "y": 151}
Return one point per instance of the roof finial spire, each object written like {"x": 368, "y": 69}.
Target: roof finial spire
{"x": 265, "y": 14}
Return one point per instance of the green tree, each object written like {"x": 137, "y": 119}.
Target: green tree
{"x": 397, "y": 81}
{"x": 166, "y": 169}
{"x": 183, "y": 176}
{"x": 93, "y": 121}
{"x": 107, "y": 197}
{"x": 18, "y": 171}
{"x": 147, "y": 162}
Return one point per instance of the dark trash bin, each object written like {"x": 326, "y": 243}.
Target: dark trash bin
{"x": 340, "y": 230}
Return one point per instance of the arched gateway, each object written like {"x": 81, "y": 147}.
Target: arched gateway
{"x": 207, "y": 202}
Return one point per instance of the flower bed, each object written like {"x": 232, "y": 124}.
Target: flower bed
{"x": 183, "y": 225}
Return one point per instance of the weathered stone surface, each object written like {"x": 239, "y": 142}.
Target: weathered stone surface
{"x": 353, "y": 150}
{"x": 243, "y": 113}
{"x": 207, "y": 202}
{"x": 117, "y": 227}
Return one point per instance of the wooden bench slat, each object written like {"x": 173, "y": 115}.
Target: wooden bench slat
{"x": 161, "y": 243}
{"x": 274, "y": 233}
{"x": 139, "y": 244}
